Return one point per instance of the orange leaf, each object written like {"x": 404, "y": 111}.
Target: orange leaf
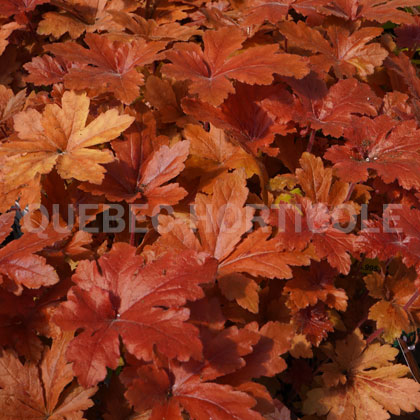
{"x": 78, "y": 16}
{"x": 222, "y": 217}
{"x": 210, "y": 70}
{"x": 394, "y": 291}
{"x": 346, "y": 52}
{"x": 5, "y": 32}
{"x": 363, "y": 383}
{"x": 19, "y": 265}
{"x": 317, "y": 181}
{"x": 260, "y": 256}
{"x": 60, "y": 137}
{"x": 38, "y": 392}
{"x": 242, "y": 289}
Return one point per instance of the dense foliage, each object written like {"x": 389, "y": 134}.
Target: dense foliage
{"x": 209, "y": 210}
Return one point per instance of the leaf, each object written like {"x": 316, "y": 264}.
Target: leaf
{"x": 242, "y": 289}
{"x": 189, "y": 386}
{"x": 60, "y": 137}
{"x": 5, "y": 32}
{"x": 176, "y": 234}
{"x": 363, "y": 382}
{"x": 381, "y": 144}
{"x": 260, "y": 256}
{"x": 301, "y": 347}
{"x": 202, "y": 400}
{"x": 314, "y": 322}
{"x": 213, "y": 153}
{"x": 142, "y": 305}
{"x": 347, "y": 52}
{"x": 217, "y": 401}
{"x": 29, "y": 392}
{"x": 18, "y": 7}
{"x": 21, "y": 318}
{"x": 374, "y": 10}
{"x": 307, "y": 288}
{"x": 210, "y": 70}
{"x": 103, "y": 71}
{"x": 6, "y": 222}
{"x": 402, "y": 66}
{"x": 242, "y": 116}
{"x": 165, "y": 97}
{"x": 121, "y": 181}
{"x": 19, "y": 264}
{"x": 79, "y": 16}
{"x": 166, "y": 163}
{"x": 317, "y": 183}
{"x": 28, "y": 193}
{"x": 225, "y": 351}
{"x": 222, "y": 217}
{"x": 397, "y": 233}
{"x": 47, "y": 70}
{"x": 258, "y": 11}
{"x": 150, "y": 29}
{"x": 408, "y": 36}
{"x": 265, "y": 360}
{"x": 397, "y": 106}
{"x": 330, "y": 242}
{"x": 299, "y": 224}
{"x": 327, "y": 110}
{"x": 139, "y": 174}
{"x": 281, "y": 412}
{"x": 10, "y": 104}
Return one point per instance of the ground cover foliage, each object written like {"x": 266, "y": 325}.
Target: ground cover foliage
{"x": 209, "y": 210}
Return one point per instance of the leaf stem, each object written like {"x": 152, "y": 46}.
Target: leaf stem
{"x": 311, "y": 141}
{"x": 350, "y": 191}
{"x": 413, "y": 298}
{"x": 132, "y": 226}
{"x": 374, "y": 335}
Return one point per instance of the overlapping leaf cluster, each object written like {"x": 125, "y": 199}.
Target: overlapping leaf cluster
{"x": 267, "y": 153}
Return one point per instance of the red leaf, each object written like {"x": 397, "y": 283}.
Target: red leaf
{"x": 398, "y": 232}
{"x": 143, "y": 305}
{"x": 381, "y": 144}
{"x": 307, "y": 288}
{"x": 314, "y": 322}
{"x": 46, "y": 70}
{"x": 111, "y": 64}
{"x": 315, "y": 223}
{"x": 327, "y": 110}
{"x": 375, "y": 10}
{"x": 242, "y": 116}
{"x": 142, "y": 169}
{"x": 6, "y": 222}
{"x": 19, "y": 263}
{"x": 202, "y": 400}
{"x": 265, "y": 360}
